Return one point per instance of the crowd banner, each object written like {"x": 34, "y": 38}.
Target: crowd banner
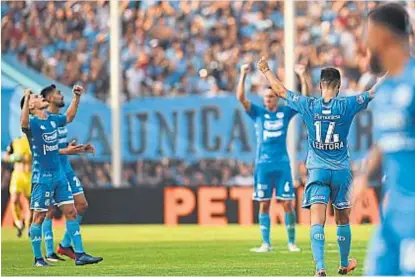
{"x": 187, "y": 128}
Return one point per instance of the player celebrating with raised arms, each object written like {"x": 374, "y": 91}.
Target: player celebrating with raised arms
{"x": 56, "y": 102}
{"x": 328, "y": 119}
{"x": 272, "y": 164}
{"x": 392, "y": 249}
{"x": 48, "y": 179}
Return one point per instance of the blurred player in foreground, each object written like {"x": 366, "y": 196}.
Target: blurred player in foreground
{"x": 48, "y": 180}
{"x": 392, "y": 250}
{"x": 18, "y": 153}
{"x": 56, "y": 102}
{"x": 328, "y": 120}
{"x": 272, "y": 169}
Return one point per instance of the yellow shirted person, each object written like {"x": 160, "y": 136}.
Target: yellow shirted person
{"x": 18, "y": 153}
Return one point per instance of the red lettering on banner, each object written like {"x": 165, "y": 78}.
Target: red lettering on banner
{"x": 211, "y": 206}
{"x": 177, "y": 202}
{"x": 245, "y": 204}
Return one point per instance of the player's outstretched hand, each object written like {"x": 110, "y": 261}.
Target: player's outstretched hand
{"x": 78, "y": 90}
{"x": 263, "y": 65}
{"x": 89, "y": 148}
{"x": 359, "y": 187}
{"x": 73, "y": 149}
{"x": 245, "y": 69}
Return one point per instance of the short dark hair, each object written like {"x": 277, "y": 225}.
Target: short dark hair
{"x": 393, "y": 16}
{"x": 330, "y": 74}
{"x": 45, "y": 92}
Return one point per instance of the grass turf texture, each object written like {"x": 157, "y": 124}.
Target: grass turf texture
{"x": 184, "y": 250}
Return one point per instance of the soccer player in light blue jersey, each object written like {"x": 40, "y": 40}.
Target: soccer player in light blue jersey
{"x": 56, "y": 102}
{"x": 272, "y": 164}
{"x": 328, "y": 119}
{"x": 49, "y": 182}
{"x": 392, "y": 249}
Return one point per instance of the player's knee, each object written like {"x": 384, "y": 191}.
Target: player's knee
{"x": 263, "y": 207}
{"x": 342, "y": 217}
{"x": 81, "y": 207}
{"x": 70, "y": 213}
{"x": 38, "y": 217}
{"x": 50, "y": 212}
{"x": 288, "y": 206}
{"x": 15, "y": 199}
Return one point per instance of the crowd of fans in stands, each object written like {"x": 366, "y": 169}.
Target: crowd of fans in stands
{"x": 180, "y": 48}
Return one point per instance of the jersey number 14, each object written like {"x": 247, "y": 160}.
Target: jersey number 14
{"x": 330, "y": 136}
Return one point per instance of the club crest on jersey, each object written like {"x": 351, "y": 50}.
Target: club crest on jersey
{"x": 295, "y": 98}
{"x": 42, "y": 127}
{"x": 267, "y": 116}
{"x": 53, "y": 124}
{"x": 280, "y": 115}
{"x": 360, "y": 99}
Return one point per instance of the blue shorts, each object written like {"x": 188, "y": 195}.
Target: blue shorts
{"x": 49, "y": 188}
{"x": 267, "y": 179}
{"x": 324, "y": 185}
{"x": 392, "y": 247}
{"x": 74, "y": 182}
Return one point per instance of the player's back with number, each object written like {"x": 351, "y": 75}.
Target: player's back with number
{"x": 328, "y": 125}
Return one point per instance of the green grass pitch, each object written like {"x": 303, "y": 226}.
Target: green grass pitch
{"x": 184, "y": 250}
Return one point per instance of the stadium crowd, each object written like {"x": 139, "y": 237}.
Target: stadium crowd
{"x": 180, "y": 48}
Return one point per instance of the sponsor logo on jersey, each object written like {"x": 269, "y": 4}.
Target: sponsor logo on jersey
{"x": 273, "y": 124}
{"x": 53, "y": 124}
{"x": 267, "y": 116}
{"x": 50, "y": 137}
{"x": 49, "y": 148}
{"x": 280, "y": 115}
{"x": 42, "y": 127}
{"x": 268, "y": 134}
{"x": 326, "y": 117}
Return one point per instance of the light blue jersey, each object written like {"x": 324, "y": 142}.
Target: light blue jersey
{"x": 328, "y": 126}
{"x": 74, "y": 182}
{"x": 328, "y": 161}
{"x": 272, "y": 163}
{"x": 271, "y": 133}
{"x": 43, "y": 138}
{"x": 392, "y": 250}
{"x": 49, "y": 183}
{"x": 63, "y": 143}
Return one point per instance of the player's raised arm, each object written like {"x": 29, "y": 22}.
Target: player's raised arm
{"x": 301, "y": 72}
{"x": 275, "y": 84}
{"x": 240, "y": 91}
{"x": 24, "y": 104}
{"x": 372, "y": 91}
{"x": 73, "y": 107}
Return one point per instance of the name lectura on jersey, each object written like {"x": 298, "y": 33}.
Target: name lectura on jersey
{"x": 191, "y": 128}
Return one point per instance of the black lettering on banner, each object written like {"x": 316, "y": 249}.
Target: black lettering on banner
{"x": 364, "y": 123}
{"x": 190, "y": 119}
{"x": 206, "y": 112}
{"x": 166, "y": 130}
{"x": 97, "y": 135}
{"x": 238, "y": 132}
{"x": 142, "y": 119}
